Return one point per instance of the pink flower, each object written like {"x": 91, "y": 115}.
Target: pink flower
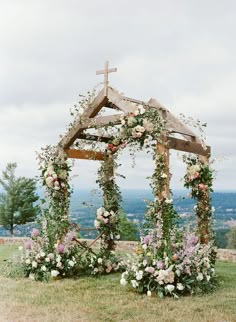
{"x": 196, "y": 175}
{"x": 35, "y": 233}
{"x": 28, "y": 244}
{"x": 147, "y": 239}
{"x": 150, "y": 270}
{"x": 60, "y": 248}
{"x": 160, "y": 265}
{"x": 201, "y": 186}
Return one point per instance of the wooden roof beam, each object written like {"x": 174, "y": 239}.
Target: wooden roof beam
{"x": 96, "y": 138}
{"x": 187, "y": 146}
{"x": 85, "y": 154}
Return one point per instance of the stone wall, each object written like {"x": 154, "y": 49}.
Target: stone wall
{"x": 223, "y": 254}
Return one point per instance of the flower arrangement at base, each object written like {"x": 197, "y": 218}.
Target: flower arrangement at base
{"x": 185, "y": 268}
{"x": 105, "y": 262}
{"x": 41, "y": 262}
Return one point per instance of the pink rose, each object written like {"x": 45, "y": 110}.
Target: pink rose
{"x": 201, "y": 186}
{"x": 35, "y": 233}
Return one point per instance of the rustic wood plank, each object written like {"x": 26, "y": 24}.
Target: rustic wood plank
{"x": 85, "y": 154}
{"x": 187, "y": 146}
{"x": 174, "y": 124}
{"x": 97, "y": 104}
{"x": 115, "y": 98}
{"x": 163, "y": 149}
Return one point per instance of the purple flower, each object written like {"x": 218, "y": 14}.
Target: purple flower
{"x": 147, "y": 239}
{"x": 191, "y": 240}
{"x": 60, "y": 248}
{"x": 28, "y": 244}
{"x": 35, "y": 233}
{"x": 160, "y": 265}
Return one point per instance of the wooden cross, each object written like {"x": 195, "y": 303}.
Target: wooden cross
{"x": 106, "y": 71}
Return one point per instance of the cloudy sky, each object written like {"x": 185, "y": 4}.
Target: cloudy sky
{"x": 180, "y": 52}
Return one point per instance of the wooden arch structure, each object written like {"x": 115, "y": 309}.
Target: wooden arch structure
{"x": 178, "y": 135}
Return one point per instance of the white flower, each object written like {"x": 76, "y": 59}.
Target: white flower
{"x": 58, "y": 259}
{"x": 164, "y": 175}
{"x": 149, "y": 293}
{"x": 59, "y": 264}
{"x": 148, "y": 125}
{"x": 142, "y": 110}
{"x": 117, "y": 236}
{"x": 136, "y": 112}
{"x": 99, "y": 260}
{"x": 123, "y": 282}
{"x": 168, "y": 201}
{"x": 180, "y": 286}
{"x": 106, "y": 214}
{"x": 71, "y": 263}
{"x": 144, "y": 246}
{"x": 200, "y": 277}
{"x": 208, "y": 277}
{"x": 57, "y": 188}
{"x": 31, "y": 277}
{"x": 134, "y": 283}
{"x": 47, "y": 259}
{"x": 49, "y": 181}
{"x": 43, "y": 268}
{"x": 100, "y": 211}
{"x": 34, "y": 264}
{"x": 144, "y": 262}
{"x": 139, "y": 275}
{"x": 54, "y": 273}
{"x": 27, "y": 261}
{"x": 177, "y": 272}
{"x": 170, "y": 288}
{"x": 42, "y": 254}
{"x": 123, "y": 122}
{"x": 96, "y": 224}
{"x": 20, "y": 248}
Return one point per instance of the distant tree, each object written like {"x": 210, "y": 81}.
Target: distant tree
{"x": 17, "y": 199}
{"x": 128, "y": 230}
{"x": 221, "y": 237}
{"x": 231, "y": 236}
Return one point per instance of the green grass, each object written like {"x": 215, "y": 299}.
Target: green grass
{"x": 103, "y": 299}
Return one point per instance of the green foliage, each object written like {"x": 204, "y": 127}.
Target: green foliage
{"x": 128, "y": 230}
{"x": 231, "y": 236}
{"x": 17, "y": 202}
{"x": 221, "y": 237}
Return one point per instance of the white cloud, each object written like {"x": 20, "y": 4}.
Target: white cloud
{"x": 179, "y": 52}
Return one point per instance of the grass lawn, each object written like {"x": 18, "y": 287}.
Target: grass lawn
{"x": 103, "y": 299}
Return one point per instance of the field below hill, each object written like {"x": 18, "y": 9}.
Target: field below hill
{"x": 103, "y": 299}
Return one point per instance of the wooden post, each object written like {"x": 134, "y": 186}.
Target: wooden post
{"x": 106, "y": 71}
{"x": 203, "y": 223}
{"x": 164, "y": 151}
{"x": 108, "y": 183}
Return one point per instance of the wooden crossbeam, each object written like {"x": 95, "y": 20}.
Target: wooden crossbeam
{"x": 106, "y": 71}
{"x": 187, "y": 146}
{"x": 91, "y": 137}
{"x": 101, "y": 121}
{"x": 85, "y": 155}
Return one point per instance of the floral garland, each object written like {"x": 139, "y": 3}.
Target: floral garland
{"x": 199, "y": 178}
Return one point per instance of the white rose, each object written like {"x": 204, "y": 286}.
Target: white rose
{"x": 170, "y": 288}
{"x": 54, "y": 273}
{"x": 142, "y": 110}
{"x": 43, "y": 268}
{"x": 134, "y": 283}
{"x": 99, "y": 260}
{"x": 49, "y": 181}
{"x": 123, "y": 282}
{"x": 71, "y": 263}
{"x": 42, "y": 254}
{"x": 144, "y": 246}
{"x": 139, "y": 275}
{"x": 96, "y": 224}
{"x": 100, "y": 211}
{"x": 34, "y": 264}
{"x": 27, "y": 261}
{"x": 149, "y": 293}
{"x": 180, "y": 286}
{"x": 123, "y": 122}
{"x": 59, "y": 264}
{"x": 47, "y": 259}
{"x": 200, "y": 277}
